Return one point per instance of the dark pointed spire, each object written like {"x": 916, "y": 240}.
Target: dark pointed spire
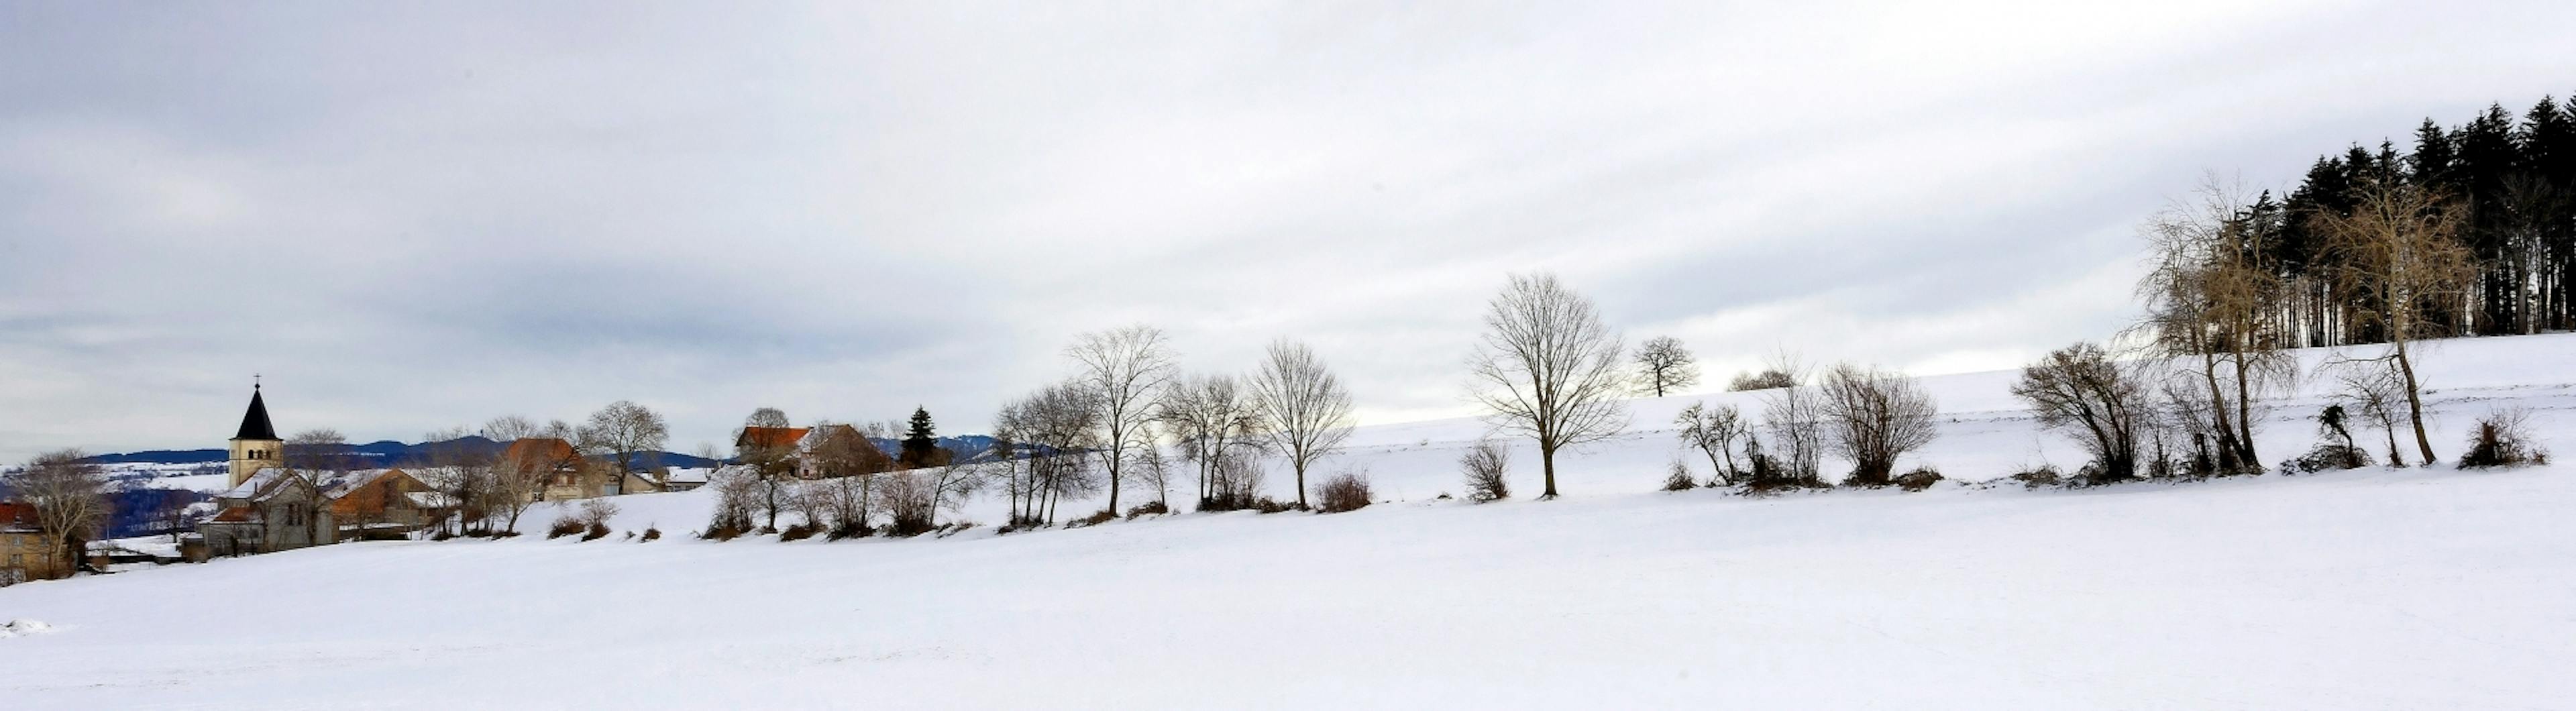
{"x": 255, "y": 422}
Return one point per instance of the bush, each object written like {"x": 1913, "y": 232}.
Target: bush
{"x": 850, "y": 528}
{"x": 1348, "y": 491}
{"x": 1484, "y": 465}
{"x": 1768, "y": 476}
{"x": 1919, "y": 479}
{"x": 721, "y": 532}
{"x": 1271, "y": 506}
{"x": 2502, "y": 439}
{"x": 1148, "y": 508}
{"x": 1096, "y": 518}
{"x": 2328, "y": 457}
{"x": 799, "y": 532}
{"x": 564, "y": 526}
{"x": 442, "y": 535}
{"x": 595, "y": 532}
{"x": 2042, "y": 475}
{"x": 1764, "y": 380}
{"x": 1680, "y": 478}
{"x": 652, "y": 534}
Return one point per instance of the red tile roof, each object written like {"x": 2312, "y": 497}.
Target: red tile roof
{"x": 770, "y": 436}
{"x": 539, "y": 450}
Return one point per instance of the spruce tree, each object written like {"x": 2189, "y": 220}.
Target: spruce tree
{"x": 920, "y": 442}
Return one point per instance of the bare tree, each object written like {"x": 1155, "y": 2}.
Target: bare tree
{"x": 466, "y": 472}
{"x": 910, "y": 500}
{"x": 1714, "y": 432}
{"x": 628, "y": 433}
{"x": 1208, "y": 416}
{"x": 2105, "y": 402}
{"x": 70, "y": 498}
{"x": 1548, "y": 369}
{"x": 509, "y": 428}
{"x": 1873, "y": 417}
{"x": 767, "y": 417}
{"x": 320, "y": 450}
{"x": 1305, "y": 412}
{"x": 2210, "y": 298}
{"x": 2401, "y": 260}
{"x": 1126, "y": 370}
{"x": 1795, "y": 416}
{"x": 953, "y": 481}
{"x": 1059, "y": 424}
{"x": 2375, "y": 393}
{"x": 1664, "y": 365}
{"x": 1484, "y": 465}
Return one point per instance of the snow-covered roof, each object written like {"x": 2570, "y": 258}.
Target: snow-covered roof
{"x": 340, "y": 484}
{"x": 429, "y": 499}
{"x": 690, "y": 475}
{"x": 260, "y": 485}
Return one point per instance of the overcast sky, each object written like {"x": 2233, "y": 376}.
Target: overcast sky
{"x": 414, "y": 217}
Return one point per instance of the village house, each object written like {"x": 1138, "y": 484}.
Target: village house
{"x": 383, "y": 503}
{"x": 26, "y": 553}
{"x": 275, "y": 509}
{"x": 558, "y": 472}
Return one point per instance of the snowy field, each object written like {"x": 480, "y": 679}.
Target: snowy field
{"x": 2409, "y": 589}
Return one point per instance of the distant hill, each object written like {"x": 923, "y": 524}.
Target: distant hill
{"x": 392, "y": 453}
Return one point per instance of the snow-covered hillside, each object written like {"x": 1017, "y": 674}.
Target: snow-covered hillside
{"x": 2419, "y": 588}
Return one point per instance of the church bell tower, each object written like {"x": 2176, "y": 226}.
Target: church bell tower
{"x": 256, "y": 446}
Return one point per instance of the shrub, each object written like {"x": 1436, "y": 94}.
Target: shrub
{"x": 1271, "y": 506}
{"x": 1919, "y": 479}
{"x": 2328, "y": 456}
{"x": 1148, "y": 508}
{"x": 1484, "y": 465}
{"x": 1096, "y": 518}
{"x": 652, "y": 534}
{"x": 1764, "y": 380}
{"x": 2035, "y": 477}
{"x": 1347, "y": 491}
{"x": 721, "y": 532}
{"x": 799, "y": 532}
{"x": 2502, "y": 439}
{"x": 442, "y": 535}
{"x": 564, "y": 526}
{"x": 595, "y": 532}
{"x": 1680, "y": 478}
{"x": 849, "y": 528}
{"x": 596, "y": 512}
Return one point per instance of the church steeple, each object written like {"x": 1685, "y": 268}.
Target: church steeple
{"x": 255, "y": 422}
{"x": 256, "y": 445}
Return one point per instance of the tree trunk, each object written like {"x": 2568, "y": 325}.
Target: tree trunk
{"x": 1547, "y": 464}
{"x": 2414, "y": 404}
{"x": 2245, "y": 413}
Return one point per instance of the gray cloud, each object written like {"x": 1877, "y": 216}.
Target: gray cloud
{"x": 418, "y": 215}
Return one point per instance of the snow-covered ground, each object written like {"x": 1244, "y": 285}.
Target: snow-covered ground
{"x": 2418, "y": 588}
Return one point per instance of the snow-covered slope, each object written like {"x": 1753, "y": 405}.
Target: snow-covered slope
{"x": 2420, "y": 588}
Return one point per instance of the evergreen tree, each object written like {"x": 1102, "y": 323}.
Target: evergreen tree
{"x": 921, "y": 442}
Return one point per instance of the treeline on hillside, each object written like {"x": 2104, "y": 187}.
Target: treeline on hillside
{"x": 2510, "y": 183}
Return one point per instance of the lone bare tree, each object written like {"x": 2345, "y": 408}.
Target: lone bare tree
{"x": 2103, "y": 401}
{"x": 1872, "y": 417}
{"x": 1548, "y": 369}
{"x": 626, "y": 432}
{"x": 1663, "y": 365}
{"x": 70, "y": 498}
{"x": 1126, "y": 370}
{"x": 1714, "y": 431}
{"x": 2401, "y": 260}
{"x": 1305, "y": 411}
